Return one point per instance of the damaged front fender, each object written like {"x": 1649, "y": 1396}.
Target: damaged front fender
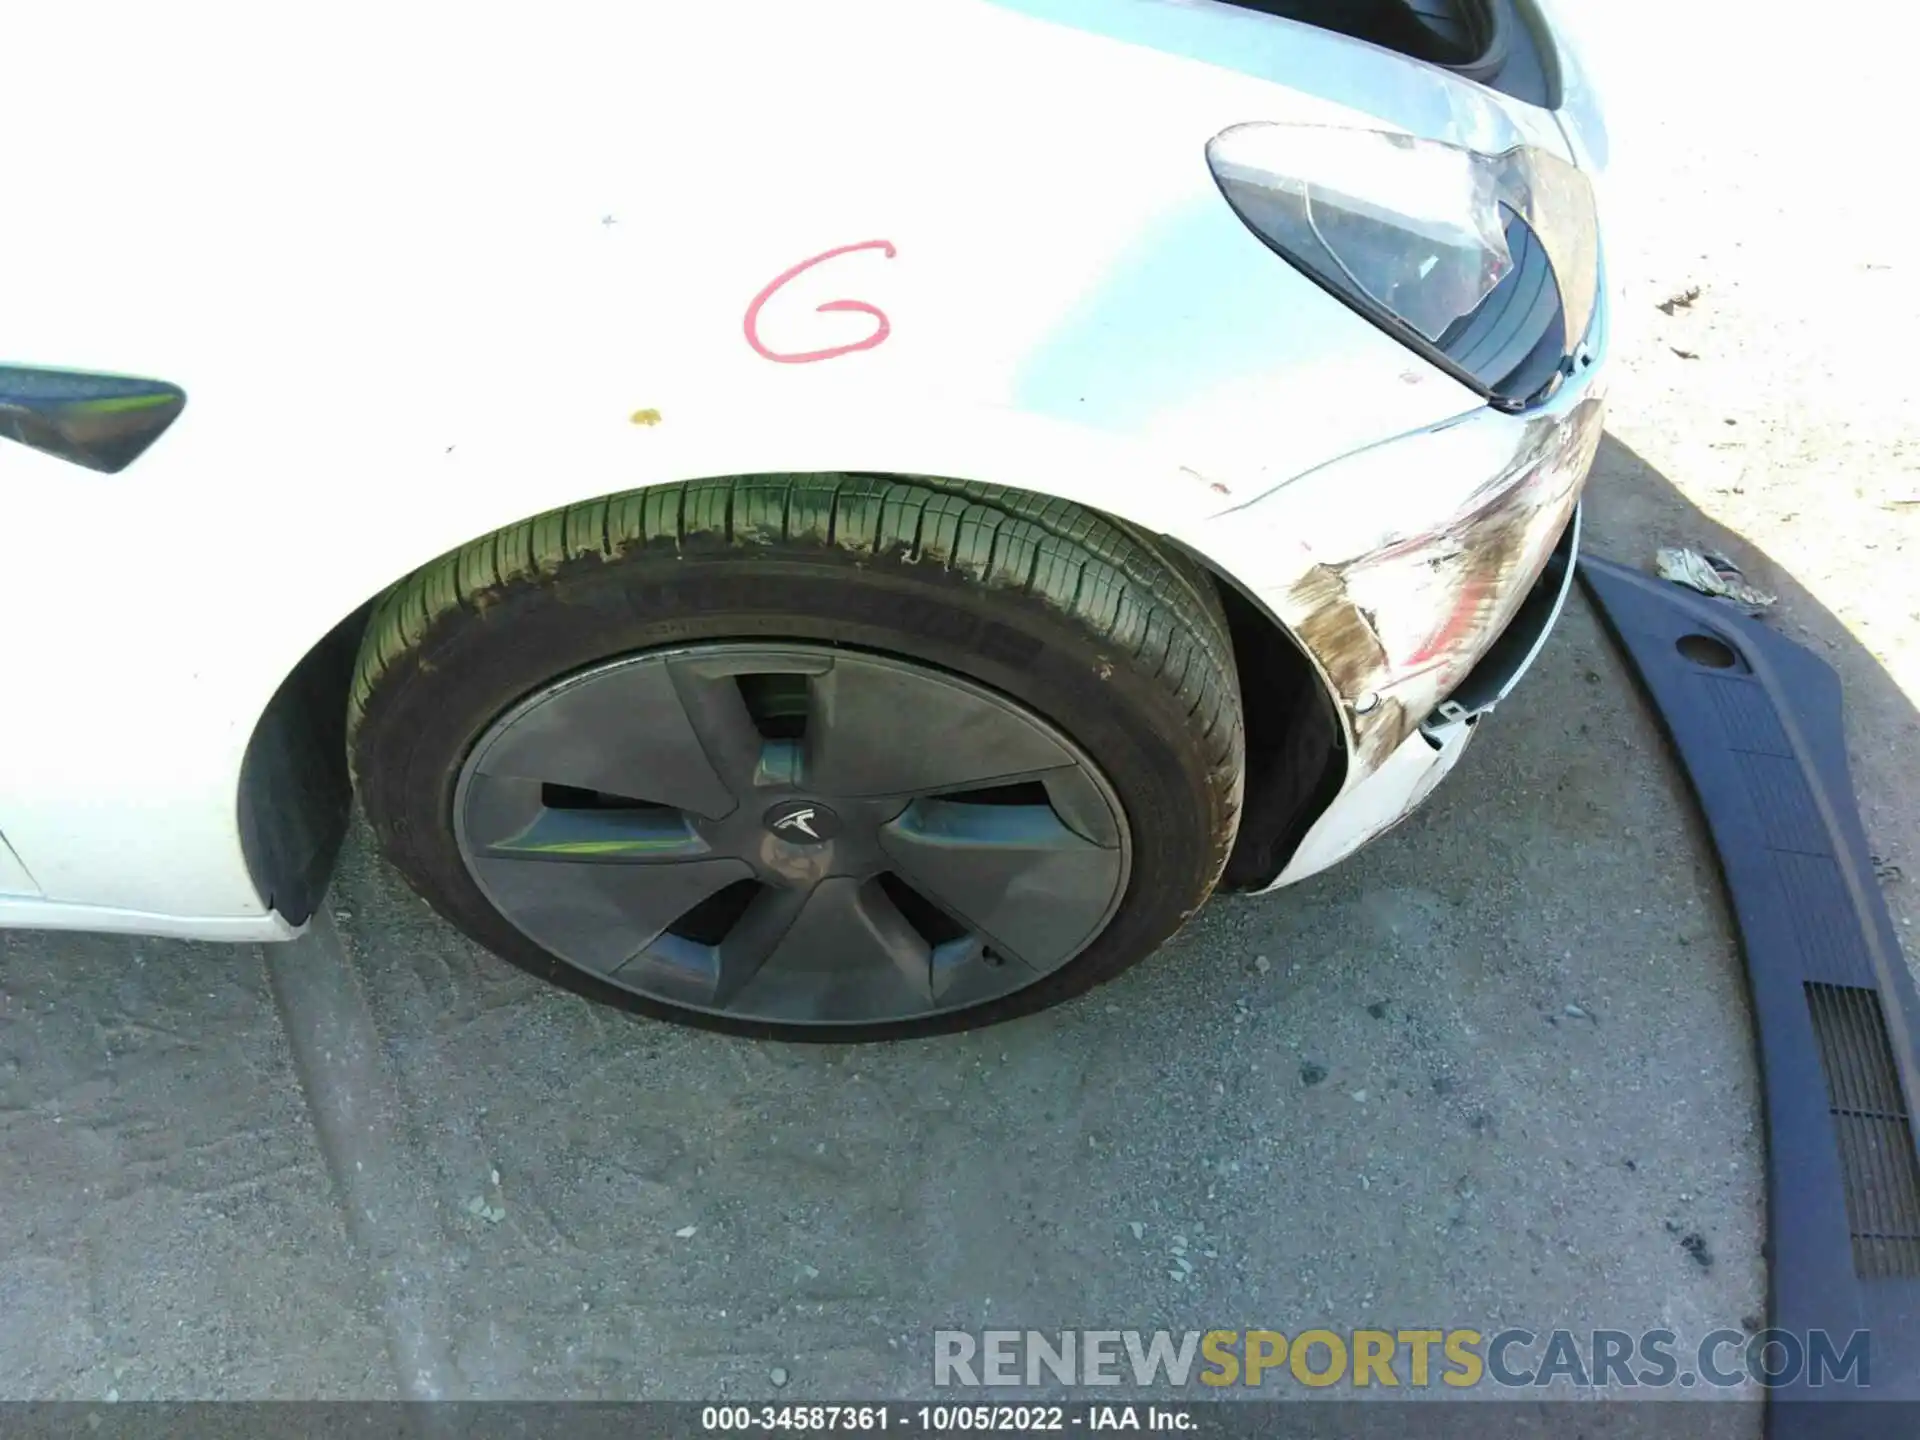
{"x": 1397, "y": 567}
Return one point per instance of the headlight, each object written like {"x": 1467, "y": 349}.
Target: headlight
{"x": 1487, "y": 265}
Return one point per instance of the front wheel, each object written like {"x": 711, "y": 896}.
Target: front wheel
{"x": 833, "y": 757}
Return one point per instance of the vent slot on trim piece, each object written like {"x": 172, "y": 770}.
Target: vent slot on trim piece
{"x": 1874, "y": 1131}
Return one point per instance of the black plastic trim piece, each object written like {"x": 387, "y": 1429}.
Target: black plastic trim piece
{"x": 1492, "y": 41}
{"x": 1532, "y": 71}
{"x": 1506, "y": 661}
{"x": 295, "y": 793}
{"x": 103, "y": 422}
{"x": 1757, "y": 722}
{"x": 1296, "y": 756}
{"x": 1482, "y": 25}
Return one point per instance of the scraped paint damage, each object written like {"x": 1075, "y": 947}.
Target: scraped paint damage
{"x": 1339, "y": 635}
{"x": 1480, "y": 563}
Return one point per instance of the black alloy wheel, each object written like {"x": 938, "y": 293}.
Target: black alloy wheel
{"x": 767, "y": 833}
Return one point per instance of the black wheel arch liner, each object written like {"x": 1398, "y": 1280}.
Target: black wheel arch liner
{"x": 1757, "y": 723}
{"x": 295, "y": 796}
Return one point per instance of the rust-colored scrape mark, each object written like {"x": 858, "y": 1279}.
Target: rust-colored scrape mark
{"x": 1213, "y": 485}
{"x": 1338, "y": 634}
{"x": 645, "y": 417}
{"x": 1332, "y": 627}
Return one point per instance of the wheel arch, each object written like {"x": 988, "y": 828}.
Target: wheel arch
{"x": 295, "y": 796}
{"x": 295, "y": 789}
{"x": 1296, "y": 762}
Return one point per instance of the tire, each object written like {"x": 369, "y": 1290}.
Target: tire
{"x": 1078, "y": 629}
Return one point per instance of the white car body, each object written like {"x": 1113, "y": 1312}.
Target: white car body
{"x": 425, "y": 271}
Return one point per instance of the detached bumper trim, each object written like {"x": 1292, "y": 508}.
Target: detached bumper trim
{"x": 1512, "y": 654}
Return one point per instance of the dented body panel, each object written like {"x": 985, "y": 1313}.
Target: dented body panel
{"x": 434, "y": 285}
{"x": 1395, "y": 605}
{"x": 1396, "y": 624}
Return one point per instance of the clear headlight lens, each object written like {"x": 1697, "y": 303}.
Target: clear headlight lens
{"x": 1486, "y": 264}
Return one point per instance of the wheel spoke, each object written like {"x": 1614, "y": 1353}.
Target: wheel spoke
{"x": 880, "y": 730}
{"x": 623, "y": 731}
{"x": 848, "y": 955}
{"x": 711, "y": 975}
{"x": 717, "y": 712}
{"x": 967, "y": 971}
{"x": 1014, "y": 873}
{"x": 506, "y": 818}
{"x": 595, "y": 914}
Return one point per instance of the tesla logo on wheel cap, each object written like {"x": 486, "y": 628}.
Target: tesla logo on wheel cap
{"x": 802, "y": 822}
